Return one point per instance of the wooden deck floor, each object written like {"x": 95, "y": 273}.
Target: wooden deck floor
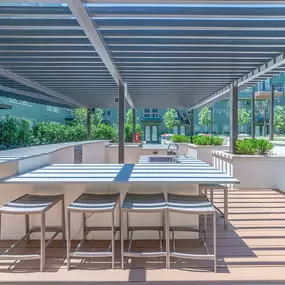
{"x": 251, "y": 251}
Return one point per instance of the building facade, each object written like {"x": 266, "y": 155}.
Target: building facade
{"x": 34, "y": 112}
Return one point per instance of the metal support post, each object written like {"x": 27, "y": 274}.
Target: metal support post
{"x": 121, "y": 146}
{"x": 265, "y": 122}
{"x": 271, "y": 114}
{"x": 253, "y": 114}
{"x": 134, "y": 125}
{"x": 192, "y": 123}
{"x": 233, "y": 118}
{"x": 211, "y": 121}
{"x": 89, "y": 124}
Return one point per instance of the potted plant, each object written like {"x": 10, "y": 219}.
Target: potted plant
{"x": 254, "y": 165}
{"x": 203, "y": 145}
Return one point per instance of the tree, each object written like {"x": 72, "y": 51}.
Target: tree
{"x": 129, "y": 117}
{"x": 170, "y": 119}
{"x": 81, "y": 116}
{"x": 97, "y": 116}
{"x": 204, "y": 117}
{"x": 279, "y": 118}
{"x": 243, "y": 116}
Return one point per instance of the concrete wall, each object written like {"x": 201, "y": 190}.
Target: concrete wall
{"x": 253, "y": 171}
{"x": 92, "y": 153}
{"x": 204, "y": 152}
{"x": 132, "y": 154}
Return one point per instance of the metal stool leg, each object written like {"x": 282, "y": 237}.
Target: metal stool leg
{"x": 27, "y": 228}
{"x": 167, "y": 240}
{"x": 63, "y": 219}
{"x": 113, "y": 240}
{"x": 205, "y": 223}
{"x": 43, "y": 241}
{"x": 122, "y": 239}
{"x": 84, "y": 234}
{"x": 127, "y": 225}
{"x": 212, "y": 196}
{"x": 226, "y": 210}
{"x": 68, "y": 240}
{"x": 215, "y": 241}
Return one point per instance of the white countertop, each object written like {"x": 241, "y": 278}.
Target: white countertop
{"x": 194, "y": 171}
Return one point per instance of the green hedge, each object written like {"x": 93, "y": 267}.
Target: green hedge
{"x": 207, "y": 140}
{"x": 181, "y": 139}
{"x": 18, "y": 133}
{"x": 253, "y": 146}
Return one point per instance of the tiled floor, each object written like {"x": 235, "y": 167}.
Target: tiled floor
{"x": 251, "y": 251}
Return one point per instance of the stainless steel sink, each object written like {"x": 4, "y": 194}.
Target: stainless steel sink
{"x": 163, "y": 159}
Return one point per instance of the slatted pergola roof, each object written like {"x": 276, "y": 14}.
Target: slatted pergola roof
{"x": 169, "y": 53}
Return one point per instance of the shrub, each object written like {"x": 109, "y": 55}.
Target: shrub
{"x": 181, "y": 139}
{"x": 129, "y": 130}
{"x": 104, "y": 132}
{"x": 253, "y": 146}
{"x": 15, "y": 133}
{"x": 207, "y": 140}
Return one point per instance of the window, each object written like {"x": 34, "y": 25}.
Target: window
{"x": 52, "y": 109}
{"x": 15, "y": 101}
{"x": 28, "y": 104}
{"x": 151, "y": 113}
{"x": 108, "y": 113}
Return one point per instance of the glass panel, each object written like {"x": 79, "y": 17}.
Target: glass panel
{"x": 155, "y": 110}
{"x": 182, "y": 130}
{"x": 154, "y": 133}
{"x": 147, "y": 133}
{"x": 175, "y": 130}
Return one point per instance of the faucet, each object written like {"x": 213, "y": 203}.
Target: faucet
{"x": 176, "y": 150}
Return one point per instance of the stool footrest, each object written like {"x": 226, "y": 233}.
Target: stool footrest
{"x": 192, "y": 256}
{"x": 20, "y": 257}
{"x": 90, "y": 229}
{"x": 184, "y": 229}
{"x": 145, "y": 254}
{"x": 91, "y": 254}
{"x": 146, "y": 228}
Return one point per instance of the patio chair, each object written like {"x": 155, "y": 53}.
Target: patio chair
{"x": 203, "y": 189}
{"x": 190, "y": 204}
{"x": 29, "y": 205}
{"x": 142, "y": 204}
{"x": 89, "y": 203}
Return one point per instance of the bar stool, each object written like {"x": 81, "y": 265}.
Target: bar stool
{"x": 142, "y": 203}
{"x": 91, "y": 204}
{"x": 211, "y": 187}
{"x": 190, "y": 204}
{"x": 28, "y": 205}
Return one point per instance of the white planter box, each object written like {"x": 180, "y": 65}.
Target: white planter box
{"x": 204, "y": 152}
{"x": 253, "y": 171}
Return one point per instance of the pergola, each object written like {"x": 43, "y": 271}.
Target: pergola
{"x": 171, "y": 53}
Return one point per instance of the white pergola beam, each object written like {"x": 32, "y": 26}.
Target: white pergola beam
{"x": 251, "y": 77}
{"x": 27, "y": 82}
{"x": 79, "y": 11}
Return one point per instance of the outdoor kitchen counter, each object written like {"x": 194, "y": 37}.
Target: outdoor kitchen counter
{"x": 72, "y": 180}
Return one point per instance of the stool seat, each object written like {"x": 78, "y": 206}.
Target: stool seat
{"x": 89, "y": 202}
{"x": 212, "y": 185}
{"x": 30, "y": 204}
{"x": 144, "y": 202}
{"x": 189, "y": 203}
